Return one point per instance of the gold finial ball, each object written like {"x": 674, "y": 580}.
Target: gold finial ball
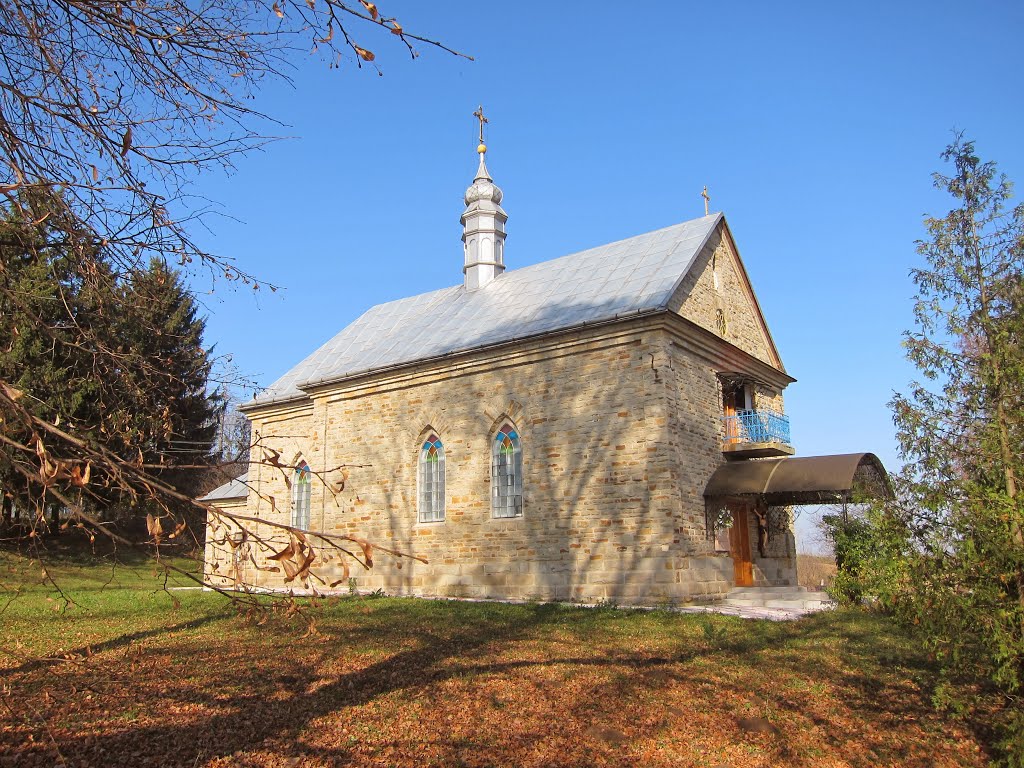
{"x": 482, "y": 148}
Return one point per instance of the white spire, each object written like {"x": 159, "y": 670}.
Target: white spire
{"x": 483, "y": 225}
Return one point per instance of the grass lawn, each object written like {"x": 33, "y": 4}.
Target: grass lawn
{"x": 125, "y": 678}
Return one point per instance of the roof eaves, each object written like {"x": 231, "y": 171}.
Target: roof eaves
{"x": 308, "y": 386}
{"x": 263, "y": 401}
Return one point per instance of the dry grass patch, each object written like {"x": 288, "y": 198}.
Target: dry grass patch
{"x": 415, "y": 682}
{"x": 816, "y": 571}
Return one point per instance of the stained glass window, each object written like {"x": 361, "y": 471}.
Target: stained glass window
{"x": 507, "y": 473}
{"x": 301, "y": 487}
{"x": 432, "y": 480}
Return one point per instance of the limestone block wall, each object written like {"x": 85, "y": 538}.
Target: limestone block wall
{"x": 778, "y": 567}
{"x": 715, "y": 296}
{"x": 601, "y": 511}
{"x": 695, "y": 447}
{"x": 768, "y": 399}
{"x": 225, "y": 562}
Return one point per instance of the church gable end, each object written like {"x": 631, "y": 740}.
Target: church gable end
{"x": 716, "y": 294}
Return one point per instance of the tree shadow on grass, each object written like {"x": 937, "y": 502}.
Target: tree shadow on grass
{"x": 113, "y": 644}
{"x": 239, "y": 703}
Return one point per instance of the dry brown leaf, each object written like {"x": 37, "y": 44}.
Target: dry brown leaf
{"x": 284, "y": 554}
{"x": 367, "y": 552}
{"x": 79, "y": 478}
{"x": 290, "y": 569}
{"x": 364, "y": 54}
{"x": 370, "y": 8}
{"x": 12, "y": 394}
{"x": 277, "y": 10}
{"x": 126, "y": 141}
{"x": 303, "y": 571}
{"x": 339, "y": 485}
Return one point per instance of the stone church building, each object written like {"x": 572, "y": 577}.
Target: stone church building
{"x": 608, "y": 425}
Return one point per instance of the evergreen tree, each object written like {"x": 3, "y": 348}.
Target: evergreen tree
{"x": 49, "y": 309}
{"x": 949, "y": 550}
{"x": 113, "y": 361}
{"x": 163, "y": 337}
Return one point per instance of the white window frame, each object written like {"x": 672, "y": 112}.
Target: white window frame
{"x": 302, "y": 486}
{"x": 506, "y": 475}
{"x": 430, "y": 488}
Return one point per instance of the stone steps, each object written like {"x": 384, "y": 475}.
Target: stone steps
{"x": 783, "y": 598}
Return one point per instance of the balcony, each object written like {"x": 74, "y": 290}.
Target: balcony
{"x": 756, "y": 434}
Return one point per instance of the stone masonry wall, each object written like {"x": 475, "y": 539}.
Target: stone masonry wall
{"x": 695, "y": 445}
{"x": 601, "y": 514}
{"x": 702, "y": 295}
{"x": 778, "y": 567}
{"x": 715, "y": 284}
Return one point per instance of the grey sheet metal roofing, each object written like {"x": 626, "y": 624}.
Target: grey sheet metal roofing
{"x": 626, "y": 277}
{"x": 234, "y": 489}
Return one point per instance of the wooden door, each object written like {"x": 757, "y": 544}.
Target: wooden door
{"x": 733, "y": 402}
{"x": 739, "y": 544}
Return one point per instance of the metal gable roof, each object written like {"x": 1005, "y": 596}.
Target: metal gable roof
{"x": 233, "y": 489}
{"x": 603, "y": 283}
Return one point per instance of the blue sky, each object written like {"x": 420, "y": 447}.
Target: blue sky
{"x": 815, "y": 126}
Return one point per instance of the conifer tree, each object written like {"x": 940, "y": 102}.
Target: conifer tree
{"x": 163, "y": 336}
{"x": 949, "y": 551}
{"x": 112, "y": 360}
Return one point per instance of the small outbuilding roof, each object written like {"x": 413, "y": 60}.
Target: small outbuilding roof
{"x": 801, "y": 480}
{"x": 629, "y": 277}
{"x": 234, "y": 489}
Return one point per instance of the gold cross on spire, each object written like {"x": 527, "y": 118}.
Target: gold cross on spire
{"x": 707, "y": 199}
{"x": 479, "y": 115}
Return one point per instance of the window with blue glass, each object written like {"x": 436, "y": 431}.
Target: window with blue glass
{"x": 506, "y": 473}
{"x": 301, "y": 487}
{"x": 431, "y": 480}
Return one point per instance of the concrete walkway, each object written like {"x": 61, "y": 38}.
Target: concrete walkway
{"x": 772, "y": 603}
{"x": 751, "y": 612}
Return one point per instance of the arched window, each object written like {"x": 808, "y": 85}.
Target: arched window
{"x": 507, "y": 473}
{"x": 432, "y": 480}
{"x": 301, "y": 485}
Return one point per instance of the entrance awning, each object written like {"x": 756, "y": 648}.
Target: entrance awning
{"x": 803, "y": 480}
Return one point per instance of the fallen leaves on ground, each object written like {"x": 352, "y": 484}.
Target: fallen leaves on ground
{"x": 413, "y": 682}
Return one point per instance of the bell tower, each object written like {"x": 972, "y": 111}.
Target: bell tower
{"x": 483, "y": 224}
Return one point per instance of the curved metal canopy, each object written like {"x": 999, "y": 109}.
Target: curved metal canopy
{"x": 803, "y": 480}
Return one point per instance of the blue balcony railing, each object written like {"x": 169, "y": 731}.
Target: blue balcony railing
{"x": 757, "y": 427}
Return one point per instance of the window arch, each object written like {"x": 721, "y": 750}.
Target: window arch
{"x": 301, "y": 486}
{"x": 506, "y": 473}
{"x": 431, "y": 473}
